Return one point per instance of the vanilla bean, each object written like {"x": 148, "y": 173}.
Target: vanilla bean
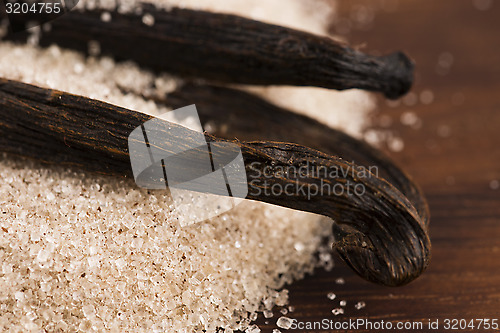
{"x": 383, "y": 236}
{"x": 237, "y": 114}
{"x": 234, "y": 113}
{"x": 227, "y": 48}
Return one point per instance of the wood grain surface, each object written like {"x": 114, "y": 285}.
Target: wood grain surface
{"x": 454, "y": 156}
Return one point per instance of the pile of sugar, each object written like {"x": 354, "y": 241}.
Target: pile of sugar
{"x": 97, "y": 253}
{"x": 80, "y": 252}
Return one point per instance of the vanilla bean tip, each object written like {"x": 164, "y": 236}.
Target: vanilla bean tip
{"x": 398, "y": 70}
{"x": 386, "y": 248}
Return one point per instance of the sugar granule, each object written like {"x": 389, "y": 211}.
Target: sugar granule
{"x": 338, "y": 311}
{"x": 360, "y": 305}
{"x": 284, "y": 322}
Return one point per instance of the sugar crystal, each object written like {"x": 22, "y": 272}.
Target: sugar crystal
{"x": 284, "y": 322}
{"x": 360, "y": 305}
{"x": 338, "y": 311}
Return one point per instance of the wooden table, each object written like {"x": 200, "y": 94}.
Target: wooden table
{"x": 454, "y": 156}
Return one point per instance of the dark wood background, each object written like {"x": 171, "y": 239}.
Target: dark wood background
{"x": 454, "y": 156}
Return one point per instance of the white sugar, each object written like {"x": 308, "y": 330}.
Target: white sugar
{"x": 268, "y": 314}
{"x": 360, "y": 305}
{"x": 284, "y": 322}
{"x": 396, "y": 144}
{"x": 338, "y": 311}
{"x": 426, "y": 97}
{"x": 409, "y": 118}
{"x": 148, "y": 19}
{"x": 105, "y": 17}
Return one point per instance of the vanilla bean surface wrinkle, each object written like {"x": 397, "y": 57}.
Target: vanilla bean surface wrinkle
{"x": 226, "y": 48}
{"x": 381, "y": 234}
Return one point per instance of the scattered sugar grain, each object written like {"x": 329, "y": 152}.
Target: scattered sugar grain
{"x": 284, "y": 311}
{"x": 396, "y": 144}
{"x": 444, "y": 63}
{"x": 276, "y": 331}
{"x": 362, "y": 16}
{"x": 291, "y": 308}
{"x": 373, "y": 137}
{"x": 426, "y": 97}
{"x": 342, "y": 303}
{"x": 331, "y": 296}
{"x": 106, "y": 17}
{"x": 340, "y": 280}
{"x": 94, "y": 48}
{"x": 360, "y": 305}
{"x": 281, "y": 298}
{"x": 299, "y": 247}
{"x": 409, "y": 118}
{"x": 268, "y": 314}
{"x": 284, "y": 322}
{"x": 338, "y": 311}
{"x": 148, "y": 20}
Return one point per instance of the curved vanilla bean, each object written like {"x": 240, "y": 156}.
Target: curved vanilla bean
{"x": 234, "y": 113}
{"x": 228, "y": 48}
{"x": 383, "y": 236}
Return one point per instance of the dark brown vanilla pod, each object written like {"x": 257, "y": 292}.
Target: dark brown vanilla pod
{"x": 228, "y": 48}
{"x": 382, "y": 235}
{"x": 379, "y": 233}
{"x": 232, "y": 113}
